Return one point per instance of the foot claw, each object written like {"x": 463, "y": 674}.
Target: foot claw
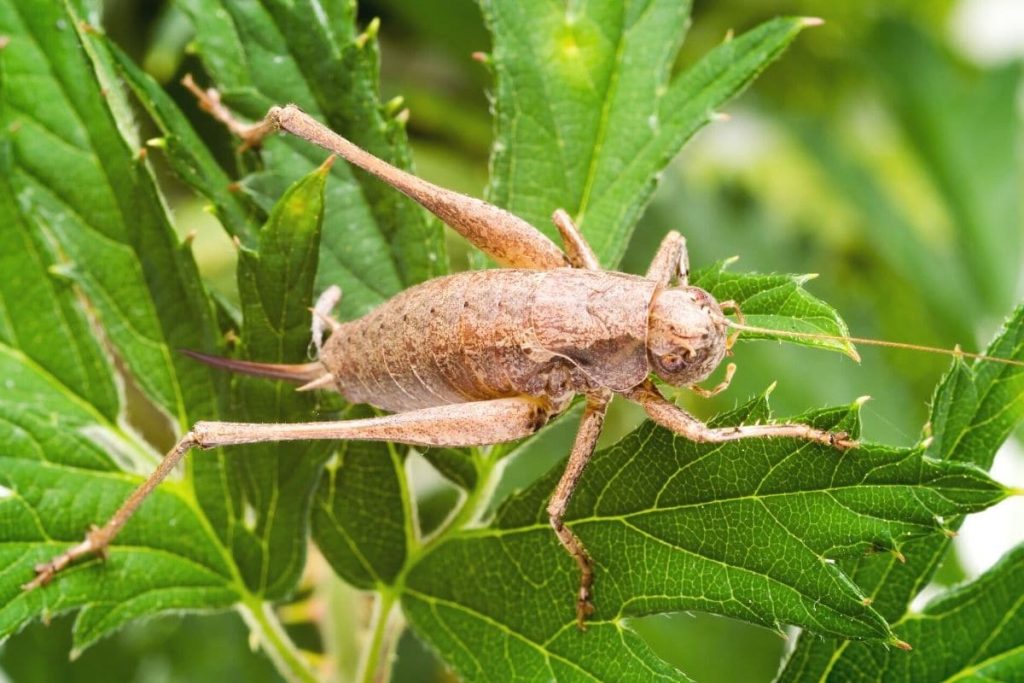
{"x": 95, "y": 543}
{"x": 584, "y": 608}
{"x": 841, "y": 441}
{"x": 44, "y": 574}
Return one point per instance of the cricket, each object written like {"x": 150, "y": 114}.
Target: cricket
{"x": 490, "y": 356}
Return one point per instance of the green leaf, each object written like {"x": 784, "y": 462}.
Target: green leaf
{"x": 977, "y": 406}
{"x": 274, "y": 52}
{"x": 119, "y": 295}
{"x": 71, "y": 166}
{"x": 91, "y": 233}
{"x": 586, "y": 115}
{"x": 467, "y": 640}
{"x": 362, "y": 521}
{"x": 777, "y": 302}
{"x": 58, "y": 478}
{"x": 974, "y": 410}
{"x": 186, "y": 152}
{"x": 74, "y": 190}
{"x": 974, "y": 632}
{"x": 38, "y": 313}
{"x": 748, "y": 529}
{"x": 276, "y": 480}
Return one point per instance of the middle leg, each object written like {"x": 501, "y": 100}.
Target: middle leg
{"x": 582, "y": 449}
{"x": 671, "y": 262}
{"x": 577, "y": 249}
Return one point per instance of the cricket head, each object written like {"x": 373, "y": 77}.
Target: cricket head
{"x": 686, "y": 335}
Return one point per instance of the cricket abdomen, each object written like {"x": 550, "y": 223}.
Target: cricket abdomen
{"x": 495, "y": 333}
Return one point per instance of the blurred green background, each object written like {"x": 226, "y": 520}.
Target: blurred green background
{"x": 881, "y": 152}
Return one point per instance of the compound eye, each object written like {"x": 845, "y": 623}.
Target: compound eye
{"x": 672, "y": 362}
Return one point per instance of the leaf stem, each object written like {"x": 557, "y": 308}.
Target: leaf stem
{"x": 376, "y": 661}
{"x": 265, "y": 625}
{"x": 377, "y": 655}
{"x": 476, "y": 499}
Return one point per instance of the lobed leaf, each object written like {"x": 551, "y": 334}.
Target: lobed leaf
{"x": 186, "y": 152}
{"x": 750, "y": 530}
{"x": 268, "y": 533}
{"x": 974, "y": 410}
{"x": 273, "y": 52}
{"x": 38, "y": 312}
{"x": 973, "y": 632}
{"x": 74, "y": 190}
{"x": 76, "y": 193}
{"x": 586, "y": 116}
{"x": 118, "y": 294}
{"x": 57, "y": 477}
{"x": 777, "y": 302}
{"x": 72, "y": 168}
{"x": 362, "y": 519}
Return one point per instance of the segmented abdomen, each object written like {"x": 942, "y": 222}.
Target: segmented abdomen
{"x": 495, "y": 333}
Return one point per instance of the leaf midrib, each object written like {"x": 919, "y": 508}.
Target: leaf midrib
{"x": 539, "y": 647}
{"x": 72, "y": 106}
{"x": 983, "y": 396}
{"x": 307, "y": 150}
{"x": 604, "y": 118}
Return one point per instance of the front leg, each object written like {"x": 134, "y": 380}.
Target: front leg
{"x": 670, "y": 416}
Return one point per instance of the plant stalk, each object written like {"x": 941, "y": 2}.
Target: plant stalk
{"x": 262, "y": 622}
{"x": 377, "y": 657}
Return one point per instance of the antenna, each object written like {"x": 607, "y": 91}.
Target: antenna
{"x": 743, "y": 327}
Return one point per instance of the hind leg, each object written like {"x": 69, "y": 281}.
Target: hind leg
{"x": 468, "y": 424}
{"x": 506, "y": 238}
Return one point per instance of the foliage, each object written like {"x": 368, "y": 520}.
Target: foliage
{"x": 587, "y": 117}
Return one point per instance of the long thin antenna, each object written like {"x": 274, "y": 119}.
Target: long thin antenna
{"x": 873, "y": 342}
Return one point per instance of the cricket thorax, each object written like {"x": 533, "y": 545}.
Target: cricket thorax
{"x": 686, "y": 335}
{"x": 495, "y": 333}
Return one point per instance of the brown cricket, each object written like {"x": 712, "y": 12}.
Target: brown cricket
{"x": 485, "y": 357}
